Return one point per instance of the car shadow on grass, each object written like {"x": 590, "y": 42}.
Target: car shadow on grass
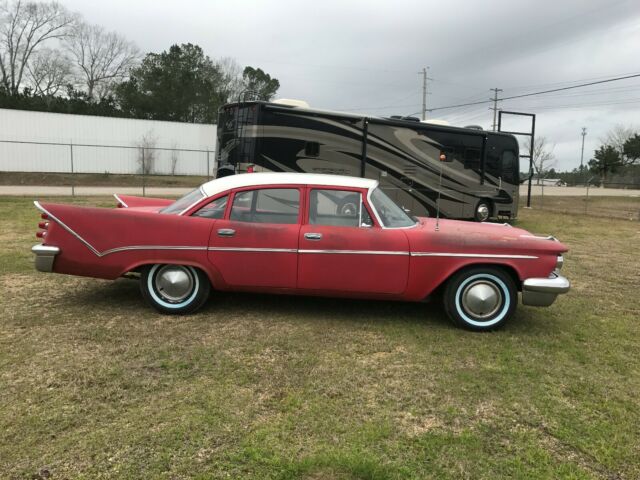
{"x": 123, "y": 296}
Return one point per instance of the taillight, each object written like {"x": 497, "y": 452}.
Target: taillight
{"x": 43, "y": 225}
{"x": 250, "y": 169}
{"x": 120, "y": 205}
{"x": 44, "y": 216}
{"x": 41, "y": 234}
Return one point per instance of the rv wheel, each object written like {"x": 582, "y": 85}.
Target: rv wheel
{"x": 349, "y": 206}
{"x": 483, "y": 211}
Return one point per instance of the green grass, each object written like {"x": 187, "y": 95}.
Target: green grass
{"x": 94, "y": 384}
{"x": 627, "y": 208}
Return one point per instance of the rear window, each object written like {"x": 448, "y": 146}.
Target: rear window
{"x": 184, "y": 202}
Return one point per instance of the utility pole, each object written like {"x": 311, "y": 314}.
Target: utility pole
{"x": 424, "y": 91}
{"x": 584, "y": 134}
{"x": 495, "y": 106}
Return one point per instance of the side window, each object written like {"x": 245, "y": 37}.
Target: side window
{"x": 338, "y": 208}
{"x": 267, "y": 205}
{"x": 214, "y": 209}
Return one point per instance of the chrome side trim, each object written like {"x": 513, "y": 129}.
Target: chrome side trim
{"x": 45, "y": 255}
{"x": 471, "y": 255}
{"x": 251, "y": 249}
{"x": 120, "y": 200}
{"x": 150, "y": 247}
{"x": 356, "y": 252}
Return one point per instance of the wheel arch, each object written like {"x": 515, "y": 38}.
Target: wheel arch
{"x": 208, "y": 270}
{"x": 505, "y": 267}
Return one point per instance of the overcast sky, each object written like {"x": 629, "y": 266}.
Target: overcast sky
{"x": 364, "y": 56}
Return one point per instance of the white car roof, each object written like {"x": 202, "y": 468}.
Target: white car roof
{"x": 256, "y": 179}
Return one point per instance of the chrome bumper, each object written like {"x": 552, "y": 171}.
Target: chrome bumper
{"x": 542, "y": 292}
{"x": 45, "y": 256}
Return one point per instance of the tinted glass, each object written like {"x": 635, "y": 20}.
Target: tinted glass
{"x": 502, "y": 158}
{"x": 338, "y": 208}
{"x": 268, "y": 205}
{"x": 213, "y": 209}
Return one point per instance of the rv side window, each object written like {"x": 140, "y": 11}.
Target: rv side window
{"x": 472, "y": 158}
{"x": 312, "y": 149}
{"x": 502, "y": 159}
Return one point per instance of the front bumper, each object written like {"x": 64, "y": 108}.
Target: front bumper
{"x": 542, "y": 292}
{"x": 45, "y": 255}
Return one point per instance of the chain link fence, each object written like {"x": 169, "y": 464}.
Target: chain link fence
{"x": 81, "y": 166}
{"x": 616, "y": 200}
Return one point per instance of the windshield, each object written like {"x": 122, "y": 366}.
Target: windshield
{"x": 391, "y": 215}
{"x": 184, "y": 202}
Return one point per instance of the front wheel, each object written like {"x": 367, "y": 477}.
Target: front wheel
{"x": 483, "y": 211}
{"x": 174, "y": 289}
{"x": 481, "y": 298}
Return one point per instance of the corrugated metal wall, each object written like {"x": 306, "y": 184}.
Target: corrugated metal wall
{"x": 102, "y": 144}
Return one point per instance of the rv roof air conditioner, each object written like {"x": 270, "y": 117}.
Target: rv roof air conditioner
{"x": 435, "y": 121}
{"x": 291, "y": 102}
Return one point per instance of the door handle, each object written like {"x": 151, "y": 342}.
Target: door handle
{"x": 226, "y": 232}
{"x": 313, "y": 236}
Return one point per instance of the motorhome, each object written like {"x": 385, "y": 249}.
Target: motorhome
{"x": 429, "y": 168}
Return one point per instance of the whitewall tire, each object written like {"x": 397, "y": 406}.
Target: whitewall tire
{"x": 174, "y": 289}
{"x": 480, "y": 298}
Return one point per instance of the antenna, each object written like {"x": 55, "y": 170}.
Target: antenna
{"x": 443, "y": 158}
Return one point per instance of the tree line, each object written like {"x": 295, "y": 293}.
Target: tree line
{"x": 52, "y": 60}
{"x": 615, "y": 162}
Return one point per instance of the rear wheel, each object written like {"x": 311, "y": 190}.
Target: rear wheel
{"x": 174, "y": 289}
{"x": 481, "y": 298}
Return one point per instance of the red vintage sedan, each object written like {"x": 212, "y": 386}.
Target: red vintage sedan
{"x": 302, "y": 234}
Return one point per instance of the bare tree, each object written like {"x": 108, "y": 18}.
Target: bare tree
{"x": 102, "y": 58}
{"x": 231, "y": 78}
{"x": 174, "y": 157}
{"x": 147, "y": 154}
{"x": 24, "y": 27}
{"x": 617, "y": 137}
{"x": 543, "y": 157}
{"x": 49, "y": 71}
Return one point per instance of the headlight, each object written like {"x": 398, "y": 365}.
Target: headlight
{"x": 559, "y": 262}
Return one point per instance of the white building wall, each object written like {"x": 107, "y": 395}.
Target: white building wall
{"x": 101, "y": 144}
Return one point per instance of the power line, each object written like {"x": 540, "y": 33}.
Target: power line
{"x": 539, "y": 93}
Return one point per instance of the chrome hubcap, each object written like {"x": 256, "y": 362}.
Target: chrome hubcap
{"x": 481, "y": 299}
{"x": 174, "y": 283}
{"x": 483, "y": 212}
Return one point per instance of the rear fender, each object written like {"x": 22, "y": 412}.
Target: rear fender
{"x": 105, "y": 243}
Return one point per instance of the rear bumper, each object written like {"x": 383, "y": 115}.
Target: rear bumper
{"x": 542, "y": 292}
{"x": 45, "y": 255}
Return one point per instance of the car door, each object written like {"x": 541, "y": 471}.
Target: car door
{"x": 256, "y": 244}
{"x": 342, "y": 250}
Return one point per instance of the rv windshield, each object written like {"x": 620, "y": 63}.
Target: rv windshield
{"x": 184, "y": 202}
{"x": 391, "y": 215}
